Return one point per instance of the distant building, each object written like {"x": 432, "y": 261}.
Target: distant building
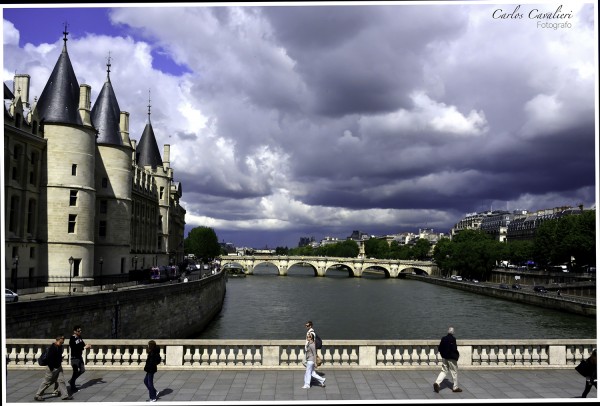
{"x": 81, "y": 198}
{"x": 524, "y": 227}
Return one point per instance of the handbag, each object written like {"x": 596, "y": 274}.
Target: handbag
{"x": 319, "y": 361}
{"x": 582, "y": 368}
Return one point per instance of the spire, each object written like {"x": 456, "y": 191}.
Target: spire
{"x": 65, "y": 39}
{"x": 108, "y": 67}
{"x": 59, "y": 101}
{"x": 106, "y": 114}
{"x": 149, "y": 106}
{"x": 147, "y": 152}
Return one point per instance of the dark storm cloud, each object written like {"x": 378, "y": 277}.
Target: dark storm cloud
{"x": 318, "y": 120}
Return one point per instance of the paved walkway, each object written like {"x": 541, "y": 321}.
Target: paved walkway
{"x": 342, "y": 386}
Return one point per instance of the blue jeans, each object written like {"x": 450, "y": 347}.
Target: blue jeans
{"x": 149, "y": 382}
{"x": 310, "y": 373}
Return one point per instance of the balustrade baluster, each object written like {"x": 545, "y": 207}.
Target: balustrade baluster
{"x": 257, "y": 356}
{"x": 345, "y": 357}
{"x": 414, "y": 356}
{"x": 248, "y": 355}
{"x": 214, "y": 356}
{"x": 231, "y": 355}
{"x": 187, "y": 356}
{"x": 379, "y": 358}
{"x": 423, "y": 357}
{"x": 397, "y": 356}
{"x": 527, "y": 355}
{"x": 239, "y": 356}
{"x": 476, "y": 356}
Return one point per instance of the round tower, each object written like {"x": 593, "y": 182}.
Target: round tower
{"x": 70, "y": 185}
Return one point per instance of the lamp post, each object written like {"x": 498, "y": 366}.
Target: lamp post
{"x": 70, "y": 273}
{"x": 15, "y": 272}
{"x": 101, "y": 262}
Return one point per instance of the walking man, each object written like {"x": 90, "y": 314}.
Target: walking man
{"x": 54, "y": 371}
{"x": 76, "y": 346}
{"x": 449, "y": 352}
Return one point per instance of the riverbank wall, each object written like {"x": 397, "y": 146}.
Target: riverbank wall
{"x": 165, "y": 310}
{"x": 550, "y": 302}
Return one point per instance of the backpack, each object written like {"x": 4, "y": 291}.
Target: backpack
{"x": 318, "y": 342}
{"x": 43, "y": 359}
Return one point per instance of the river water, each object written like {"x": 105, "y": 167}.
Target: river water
{"x": 268, "y": 306}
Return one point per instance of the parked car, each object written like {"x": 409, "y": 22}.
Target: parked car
{"x": 504, "y": 286}
{"x": 516, "y": 286}
{"x": 10, "y": 296}
{"x": 540, "y": 289}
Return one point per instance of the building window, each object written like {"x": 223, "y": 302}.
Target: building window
{"x": 72, "y": 223}
{"x": 34, "y": 168}
{"x": 73, "y": 198}
{"x": 34, "y": 128}
{"x": 162, "y": 192}
{"x": 159, "y": 243}
{"x": 14, "y": 214}
{"x": 103, "y": 206}
{"x": 32, "y": 252}
{"x": 31, "y": 216}
{"x": 74, "y": 169}
{"x": 104, "y": 182}
{"x": 102, "y": 229}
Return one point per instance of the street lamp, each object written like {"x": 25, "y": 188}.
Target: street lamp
{"x": 15, "y": 272}
{"x": 70, "y": 273}
{"x": 101, "y": 262}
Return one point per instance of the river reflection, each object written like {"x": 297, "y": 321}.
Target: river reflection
{"x": 268, "y": 306}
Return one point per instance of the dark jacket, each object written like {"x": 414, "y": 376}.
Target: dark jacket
{"x": 152, "y": 361}
{"x": 447, "y": 347}
{"x": 77, "y": 345}
{"x": 55, "y": 354}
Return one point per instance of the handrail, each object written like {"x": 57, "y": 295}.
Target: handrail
{"x": 337, "y": 354}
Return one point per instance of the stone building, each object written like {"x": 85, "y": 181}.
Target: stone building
{"x": 82, "y": 201}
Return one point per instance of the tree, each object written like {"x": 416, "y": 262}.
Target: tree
{"x": 443, "y": 255}
{"x": 203, "y": 242}
{"x": 377, "y": 248}
{"x": 420, "y": 250}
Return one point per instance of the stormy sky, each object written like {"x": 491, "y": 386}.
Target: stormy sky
{"x": 290, "y": 121}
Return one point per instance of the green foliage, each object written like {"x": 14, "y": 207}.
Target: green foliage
{"x": 420, "y": 251}
{"x": 202, "y": 242}
{"x": 471, "y": 253}
{"x": 557, "y": 240}
{"x": 377, "y": 248}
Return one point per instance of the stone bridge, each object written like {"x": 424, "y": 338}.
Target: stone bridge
{"x": 354, "y": 266}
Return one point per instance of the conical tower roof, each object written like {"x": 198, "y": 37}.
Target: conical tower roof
{"x": 147, "y": 152}
{"x": 59, "y": 101}
{"x": 106, "y": 114}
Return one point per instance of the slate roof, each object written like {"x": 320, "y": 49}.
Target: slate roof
{"x": 59, "y": 101}
{"x": 147, "y": 152}
{"x": 8, "y": 95}
{"x": 106, "y": 115}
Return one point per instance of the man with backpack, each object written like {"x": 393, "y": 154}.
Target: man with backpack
{"x": 54, "y": 372}
{"x": 318, "y": 341}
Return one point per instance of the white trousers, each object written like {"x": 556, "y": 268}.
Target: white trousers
{"x": 310, "y": 373}
{"x": 448, "y": 365}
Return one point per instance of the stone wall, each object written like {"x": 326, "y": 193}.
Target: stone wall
{"x": 166, "y": 310}
{"x": 542, "y": 300}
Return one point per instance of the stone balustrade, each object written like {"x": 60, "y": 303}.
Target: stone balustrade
{"x": 337, "y": 354}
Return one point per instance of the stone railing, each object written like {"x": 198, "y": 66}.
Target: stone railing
{"x": 337, "y": 354}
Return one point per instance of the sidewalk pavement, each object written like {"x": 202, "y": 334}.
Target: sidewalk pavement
{"x": 277, "y": 386}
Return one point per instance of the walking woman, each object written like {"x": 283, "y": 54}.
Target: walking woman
{"x": 310, "y": 355}
{"x": 151, "y": 367}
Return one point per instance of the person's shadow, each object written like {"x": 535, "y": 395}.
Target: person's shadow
{"x": 165, "y": 391}
{"x": 91, "y": 382}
